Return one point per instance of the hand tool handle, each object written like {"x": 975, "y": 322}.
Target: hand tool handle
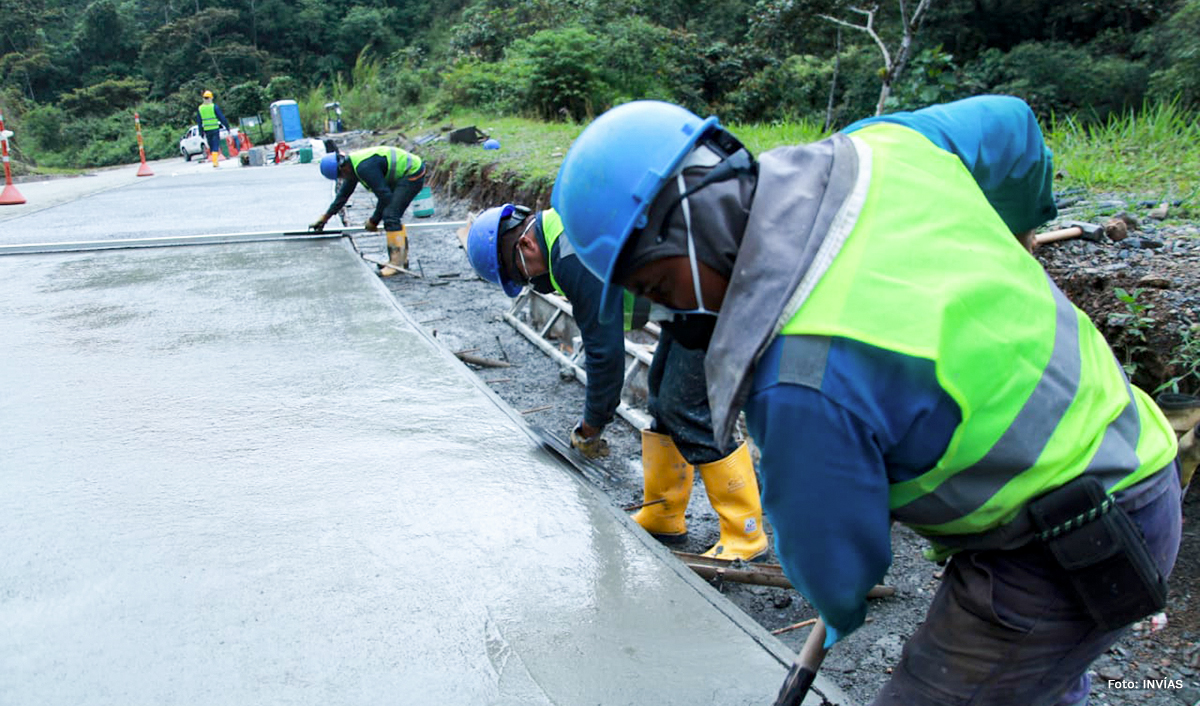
{"x": 804, "y": 670}
{"x": 1061, "y": 234}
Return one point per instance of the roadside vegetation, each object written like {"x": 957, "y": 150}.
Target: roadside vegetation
{"x": 781, "y": 70}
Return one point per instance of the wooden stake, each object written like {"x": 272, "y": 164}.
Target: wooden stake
{"x": 795, "y": 626}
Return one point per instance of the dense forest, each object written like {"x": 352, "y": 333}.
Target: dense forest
{"x": 72, "y": 72}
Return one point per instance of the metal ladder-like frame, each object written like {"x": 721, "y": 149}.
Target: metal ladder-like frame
{"x": 636, "y": 354}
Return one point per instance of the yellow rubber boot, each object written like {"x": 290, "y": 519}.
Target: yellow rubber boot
{"x": 1189, "y": 455}
{"x": 667, "y": 478}
{"x": 733, "y": 491}
{"x": 1182, "y": 411}
{"x": 215, "y": 157}
{"x": 397, "y": 244}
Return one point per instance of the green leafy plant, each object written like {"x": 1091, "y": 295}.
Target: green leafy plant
{"x": 1135, "y": 323}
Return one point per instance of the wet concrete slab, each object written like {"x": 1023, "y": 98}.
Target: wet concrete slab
{"x": 180, "y": 199}
{"x": 238, "y": 474}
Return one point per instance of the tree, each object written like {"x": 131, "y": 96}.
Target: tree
{"x": 893, "y": 66}
{"x": 209, "y": 44}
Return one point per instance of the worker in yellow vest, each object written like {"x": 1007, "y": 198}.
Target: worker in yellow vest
{"x": 513, "y": 246}
{"x": 394, "y": 176}
{"x": 211, "y": 120}
{"x": 901, "y": 358}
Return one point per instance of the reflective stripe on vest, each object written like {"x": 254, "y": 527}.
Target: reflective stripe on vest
{"x": 208, "y": 116}
{"x": 1042, "y": 398}
{"x": 636, "y": 309}
{"x": 412, "y": 163}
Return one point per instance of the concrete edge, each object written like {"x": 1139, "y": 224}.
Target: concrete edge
{"x": 784, "y": 655}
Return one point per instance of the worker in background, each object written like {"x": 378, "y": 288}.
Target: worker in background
{"x": 512, "y": 246}
{"x": 900, "y": 357}
{"x": 394, "y": 176}
{"x": 211, "y": 120}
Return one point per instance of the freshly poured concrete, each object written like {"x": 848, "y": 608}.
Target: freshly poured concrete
{"x": 235, "y": 474}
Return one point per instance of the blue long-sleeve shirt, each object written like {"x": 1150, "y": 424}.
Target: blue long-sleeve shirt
{"x": 373, "y": 172}
{"x": 878, "y": 417}
{"x": 220, "y": 118}
{"x": 603, "y": 343}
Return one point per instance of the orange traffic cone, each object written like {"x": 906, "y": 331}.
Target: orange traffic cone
{"x": 233, "y": 150}
{"x": 10, "y": 196}
{"x": 143, "y": 170}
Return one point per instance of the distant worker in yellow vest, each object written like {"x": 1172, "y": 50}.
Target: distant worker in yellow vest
{"x": 394, "y": 176}
{"x": 901, "y": 358}
{"x": 210, "y": 119}
{"x": 513, "y": 246}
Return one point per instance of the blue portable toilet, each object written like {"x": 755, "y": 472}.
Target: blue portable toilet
{"x": 285, "y": 117}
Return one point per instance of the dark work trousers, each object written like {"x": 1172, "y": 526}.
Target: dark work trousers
{"x": 213, "y": 137}
{"x": 679, "y": 401}
{"x": 1006, "y": 628}
{"x": 402, "y": 195}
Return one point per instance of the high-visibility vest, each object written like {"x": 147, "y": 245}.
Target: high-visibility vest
{"x": 412, "y": 163}
{"x": 1043, "y": 400}
{"x": 636, "y": 310}
{"x": 208, "y": 117}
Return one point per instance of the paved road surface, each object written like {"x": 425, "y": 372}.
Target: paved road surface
{"x": 244, "y": 476}
{"x": 182, "y": 198}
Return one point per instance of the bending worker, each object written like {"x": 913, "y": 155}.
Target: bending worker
{"x": 210, "y": 120}
{"x": 901, "y": 358}
{"x": 394, "y": 176}
{"x": 511, "y": 246}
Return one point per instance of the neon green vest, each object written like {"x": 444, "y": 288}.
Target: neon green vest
{"x": 412, "y": 163}
{"x": 208, "y": 116}
{"x": 637, "y": 311}
{"x": 1042, "y": 398}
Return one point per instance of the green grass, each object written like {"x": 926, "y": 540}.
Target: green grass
{"x": 533, "y": 150}
{"x": 529, "y": 155}
{"x": 760, "y": 138}
{"x": 1154, "y": 154}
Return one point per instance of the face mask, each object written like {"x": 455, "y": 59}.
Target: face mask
{"x": 691, "y": 331}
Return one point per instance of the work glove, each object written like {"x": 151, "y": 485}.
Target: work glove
{"x": 318, "y": 225}
{"x": 371, "y": 226}
{"x": 593, "y": 448}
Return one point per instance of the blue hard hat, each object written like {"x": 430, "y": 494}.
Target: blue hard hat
{"x": 613, "y": 172}
{"x": 329, "y": 165}
{"x": 491, "y": 144}
{"x": 483, "y": 246}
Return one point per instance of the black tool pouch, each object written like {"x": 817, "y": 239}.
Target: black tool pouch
{"x": 1102, "y": 551}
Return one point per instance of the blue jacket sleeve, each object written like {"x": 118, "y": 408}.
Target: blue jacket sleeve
{"x": 372, "y": 171}
{"x": 221, "y": 116}
{"x": 829, "y": 513}
{"x": 999, "y": 141}
{"x": 603, "y": 343}
{"x": 342, "y": 196}
{"x": 831, "y": 445}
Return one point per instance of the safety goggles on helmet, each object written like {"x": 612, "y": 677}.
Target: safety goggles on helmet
{"x": 484, "y": 242}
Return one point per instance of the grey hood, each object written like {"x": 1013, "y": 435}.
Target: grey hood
{"x": 804, "y": 193}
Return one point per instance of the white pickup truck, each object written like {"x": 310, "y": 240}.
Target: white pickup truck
{"x": 192, "y": 143}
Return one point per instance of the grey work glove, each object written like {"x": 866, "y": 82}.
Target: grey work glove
{"x": 318, "y": 225}
{"x": 593, "y": 448}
